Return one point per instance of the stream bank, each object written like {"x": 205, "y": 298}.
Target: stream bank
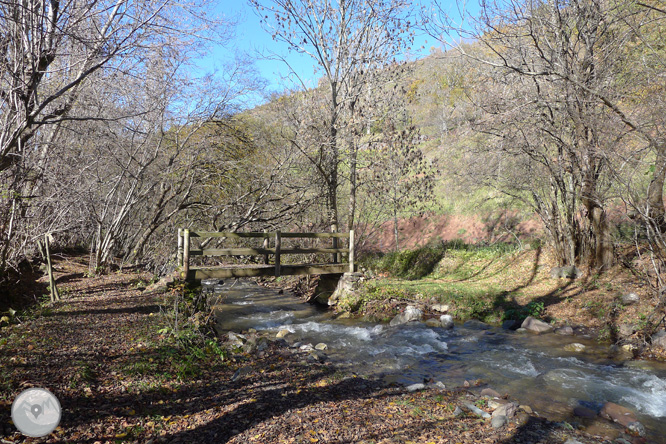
{"x": 534, "y": 370}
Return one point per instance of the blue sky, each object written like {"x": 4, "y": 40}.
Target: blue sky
{"x": 250, "y": 38}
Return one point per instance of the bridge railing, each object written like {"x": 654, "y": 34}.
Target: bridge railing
{"x": 185, "y": 250}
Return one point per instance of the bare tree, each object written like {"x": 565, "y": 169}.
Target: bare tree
{"x": 566, "y": 52}
{"x": 349, "y": 41}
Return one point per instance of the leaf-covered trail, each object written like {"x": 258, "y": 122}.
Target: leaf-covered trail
{"x": 118, "y": 379}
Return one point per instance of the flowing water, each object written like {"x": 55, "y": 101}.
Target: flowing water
{"x": 534, "y": 369}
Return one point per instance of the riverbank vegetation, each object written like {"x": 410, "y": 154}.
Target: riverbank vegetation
{"x": 501, "y": 282}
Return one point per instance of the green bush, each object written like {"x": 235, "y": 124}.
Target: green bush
{"x": 411, "y": 264}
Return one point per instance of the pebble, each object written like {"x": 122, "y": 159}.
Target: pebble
{"x": 321, "y": 346}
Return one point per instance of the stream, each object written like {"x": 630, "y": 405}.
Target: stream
{"x": 534, "y": 369}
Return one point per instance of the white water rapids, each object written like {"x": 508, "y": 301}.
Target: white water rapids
{"x": 535, "y": 369}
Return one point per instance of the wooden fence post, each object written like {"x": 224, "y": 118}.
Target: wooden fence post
{"x": 180, "y": 248}
{"x": 351, "y": 251}
{"x": 186, "y": 253}
{"x": 335, "y": 255}
{"x": 266, "y": 245}
{"x": 278, "y": 244}
{"x": 55, "y": 296}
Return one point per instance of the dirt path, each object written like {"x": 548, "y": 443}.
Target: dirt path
{"x": 103, "y": 353}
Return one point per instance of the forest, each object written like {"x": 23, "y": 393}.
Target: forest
{"x": 110, "y": 141}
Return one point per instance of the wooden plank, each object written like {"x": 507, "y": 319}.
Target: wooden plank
{"x": 231, "y": 252}
{"x": 227, "y": 234}
{"x": 305, "y": 269}
{"x": 315, "y": 235}
{"x": 266, "y": 235}
{"x": 225, "y": 273}
{"x": 262, "y": 251}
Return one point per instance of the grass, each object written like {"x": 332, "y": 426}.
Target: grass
{"x": 491, "y": 283}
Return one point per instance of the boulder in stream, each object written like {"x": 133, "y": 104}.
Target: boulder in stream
{"x": 575, "y": 347}
{"x": 535, "y": 325}
{"x": 565, "y": 331}
{"x": 410, "y": 314}
{"x": 617, "y": 413}
{"x": 446, "y": 321}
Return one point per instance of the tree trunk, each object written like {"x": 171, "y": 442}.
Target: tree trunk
{"x": 395, "y": 229}
{"x": 353, "y": 153}
{"x": 655, "y": 194}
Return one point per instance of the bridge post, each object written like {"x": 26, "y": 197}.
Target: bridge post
{"x": 179, "y": 259}
{"x": 266, "y": 245}
{"x": 278, "y": 244}
{"x": 186, "y": 253}
{"x": 336, "y": 256}
{"x": 351, "y": 251}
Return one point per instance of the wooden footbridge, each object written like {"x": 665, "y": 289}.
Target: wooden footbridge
{"x": 274, "y": 252}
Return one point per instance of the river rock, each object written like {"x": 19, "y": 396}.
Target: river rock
{"x": 439, "y": 385}
{"x": 321, "y": 346}
{"x": 630, "y": 298}
{"x": 659, "y": 339}
{"x": 477, "y": 411}
{"x": 568, "y": 272}
{"x": 474, "y": 323}
{"x": 240, "y": 373}
{"x": 493, "y": 404}
{"x": 306, "y": 347}
{"x": 584, "y": 412}
{"x": 617, "y": 413}
{"x": 346, "y": 286}
{"x": 433, "y": 323}
{"x": 282, "y": 333}
{"x": 526, "y": 408}
{"x": 626, "y": 330}
{"x": 572, "y": 441}
{"x": 521, "y": 330}
{"x": 415, "y": 387}
{"x": 446, "y": 321}
{"x": 565, "y": 331}
{"x": 535, "y": 325}
{"x": 498, "y": 421}
{"x": 441, "y": 308}
{"x": 410, "y": 314}
{"x": 490, "y": 392}
{"x": 510, "y": 324}
{"x": 636, "y": 428}
{"x": 508, "y": 410}
{"x": 236, "y": 338}
{"x": 317, "y": 356}
{"x": 575, "y": 347}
